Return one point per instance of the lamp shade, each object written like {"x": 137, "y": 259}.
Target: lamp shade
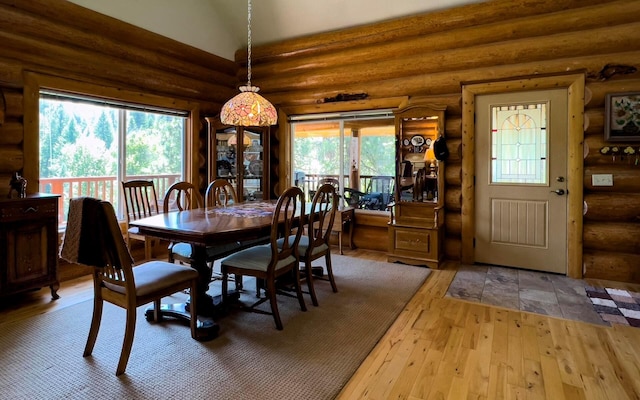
{"x": 429, "y": 155}
{"x": 248, "y": 108}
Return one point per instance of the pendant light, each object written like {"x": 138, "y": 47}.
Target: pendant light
{"x": 248, "y": 108}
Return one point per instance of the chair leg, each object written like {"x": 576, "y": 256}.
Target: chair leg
{"x": 330, "y": 272}
{"x": 296, "y": 275}
{"x": 309, "y": 278}
{"x": 128, "y": 341}
{"x": 157, "y": 315}
{"x": 95, "y": 327}
{"x": 225, "y": 289}
{"x": 271, "y": 292}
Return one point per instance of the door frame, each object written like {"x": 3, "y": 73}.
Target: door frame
{"x": 575, "y": 85}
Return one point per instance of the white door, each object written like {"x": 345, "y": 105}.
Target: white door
{"x": 521, "y": 188}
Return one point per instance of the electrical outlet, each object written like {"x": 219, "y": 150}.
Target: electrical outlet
{"x": 602, "y": 180}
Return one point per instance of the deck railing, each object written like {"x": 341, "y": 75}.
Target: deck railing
{"x": 102, "y": 187}
{"x": 310, "y": 182}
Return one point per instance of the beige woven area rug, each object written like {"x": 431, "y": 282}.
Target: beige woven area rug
{"x": 312, "y": 358}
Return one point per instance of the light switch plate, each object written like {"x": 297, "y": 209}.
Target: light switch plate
{"x": 602, "y": 180}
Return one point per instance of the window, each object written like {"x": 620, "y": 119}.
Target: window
{"x": 87, "y": 146}
{"x": 348, "y": 148}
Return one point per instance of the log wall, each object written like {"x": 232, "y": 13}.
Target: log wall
{"x": 430, "y": 56}
{"x": 59, "y": 39}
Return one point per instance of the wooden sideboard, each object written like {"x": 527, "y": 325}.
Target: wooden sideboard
{"x": 29, "y": 244}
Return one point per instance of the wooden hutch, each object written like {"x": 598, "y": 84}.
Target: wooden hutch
{"x": 416, "y": 228}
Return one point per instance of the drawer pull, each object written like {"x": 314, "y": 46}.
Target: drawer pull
{"x": 31, "y": 209}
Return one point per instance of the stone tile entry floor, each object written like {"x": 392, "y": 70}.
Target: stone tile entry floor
{"x": 538, "y": 292}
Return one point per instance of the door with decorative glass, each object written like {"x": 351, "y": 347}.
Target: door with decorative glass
{"x": 521, "y": 188}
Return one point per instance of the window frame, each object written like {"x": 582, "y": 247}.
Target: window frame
{"x": 34, "y": 83}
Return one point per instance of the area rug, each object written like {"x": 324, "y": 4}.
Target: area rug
{"x": 616, "y": 305}
{"x": 312, "y": 358}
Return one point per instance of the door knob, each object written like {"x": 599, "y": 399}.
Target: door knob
{"x": 559, "y": 192}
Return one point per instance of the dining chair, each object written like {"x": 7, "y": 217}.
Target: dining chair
{"x": 185, "y": 196}
{"x": 181, "y": 196}
{"x": 315, "y": 243}
{"x": 140, "y": 201}
{"x": 220, "y": 192}
{"x": 93, "y": 238}
{"x": 270, "y": 261}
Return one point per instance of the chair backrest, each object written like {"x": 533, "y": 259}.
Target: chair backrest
{"x": 322, "y": 215}
{"x": 93, "y": 238}
{"x": 140, "y": 199}
{"x": 181, "y": 196}
{"x": 220, "y": 192}
{"x": 331, "y": 181}
{"x": 285, "y": 223}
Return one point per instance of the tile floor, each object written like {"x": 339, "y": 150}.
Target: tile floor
{"x": 542, "y": 293}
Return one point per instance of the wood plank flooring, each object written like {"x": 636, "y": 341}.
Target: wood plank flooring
{"x": 444, "y": 348}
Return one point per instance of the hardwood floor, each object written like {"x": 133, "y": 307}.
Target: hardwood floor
{"x": 441, "y": 348}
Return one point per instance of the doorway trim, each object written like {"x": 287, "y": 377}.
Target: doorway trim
{"x": 575, "y": 85}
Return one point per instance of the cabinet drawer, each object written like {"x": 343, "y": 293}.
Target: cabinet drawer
{"x": 29, "y": 209}
{"x": 415, "y": 241}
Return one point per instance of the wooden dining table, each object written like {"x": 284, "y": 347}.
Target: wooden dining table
{"x": 233, "y": 225}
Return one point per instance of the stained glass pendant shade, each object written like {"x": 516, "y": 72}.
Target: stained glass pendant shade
{"x": 248, "y": 108}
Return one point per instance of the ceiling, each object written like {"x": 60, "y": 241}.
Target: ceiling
{"x": 220, "y": 26}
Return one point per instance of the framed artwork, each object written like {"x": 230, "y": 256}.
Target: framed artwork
{"x": 622, "y": 117}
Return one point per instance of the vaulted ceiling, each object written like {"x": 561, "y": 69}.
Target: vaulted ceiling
{"x": 220, "y": 26}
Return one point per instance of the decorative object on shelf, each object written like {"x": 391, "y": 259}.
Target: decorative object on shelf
{"x": 19, "y": 184}
{"x": 255, "y": 167}
{"x": 248, "y": 108}
{"x": 346, "y": 97}
{"x": 622, "y": 117}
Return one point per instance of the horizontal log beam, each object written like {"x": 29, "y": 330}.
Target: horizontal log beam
{"x": 429, "y": 42}
{"x": 621, "y": 207}
{"x": 13, "y": 100}
{"x": 11, "y": 159}
{"x": 611, "y": 236}
{"x": 626, "y": 176}
{"x": 105, "y": 27}
{"x": 449, "y": 81}
{"x": 453, "y": 224}
{"x": 127, "y": 74}
{"x": 453, "y": 199}
{"x": 612, "y": 266}
{"x": 440, "y": 21}
{"x": 453, "y": 174}
{"x": 617, "y": 38}
{"x": 11, "y": 133}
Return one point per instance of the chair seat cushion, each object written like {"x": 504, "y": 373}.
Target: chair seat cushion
{"x": 255, "y": 258}
{"x": 153, "y": 276}
{"x": 303, "y": 245}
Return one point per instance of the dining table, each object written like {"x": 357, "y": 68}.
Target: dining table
{"x": 233, "y": 225}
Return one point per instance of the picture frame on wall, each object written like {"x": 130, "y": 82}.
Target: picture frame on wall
{"x": 622, "y": 117}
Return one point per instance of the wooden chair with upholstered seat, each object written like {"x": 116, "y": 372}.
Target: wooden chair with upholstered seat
{"x": 140, "y": 201}
{"x": 315, "y": 243}
{"x": 181, "y": 196}
{"x": 185, "y": 196}
{"x": 93, "y": 238}
{"x": 270, "y": 261}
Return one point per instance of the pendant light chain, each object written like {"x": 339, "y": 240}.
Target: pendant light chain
{"x": 249, "y": 44}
